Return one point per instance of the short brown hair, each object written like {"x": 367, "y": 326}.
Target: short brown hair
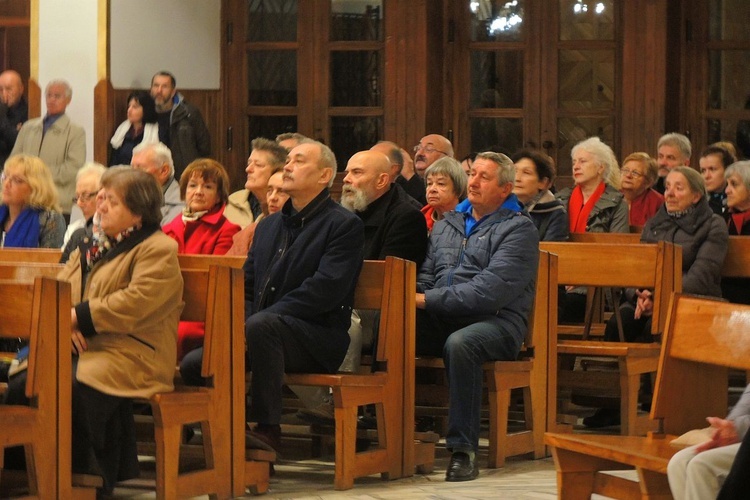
{"x": 138, "y": 190}
{"x": 209, "y": 170}
{"x": 652, "y": 169}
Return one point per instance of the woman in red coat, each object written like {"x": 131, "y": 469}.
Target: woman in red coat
{"x": 201, "y": 228}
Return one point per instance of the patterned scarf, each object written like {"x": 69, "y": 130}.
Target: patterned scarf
{"x": 681, "y": 213}
{"x": 103, "y": 244}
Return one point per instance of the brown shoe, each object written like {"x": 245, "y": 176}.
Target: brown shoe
{"x": 263, "y": 437}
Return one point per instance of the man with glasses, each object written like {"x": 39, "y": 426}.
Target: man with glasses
{"x": 431, "y": 148}
{"x": 156, "y": 159}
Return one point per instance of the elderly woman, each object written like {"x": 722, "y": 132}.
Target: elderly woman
{"x": 87, "y": 187}
{"x": 639, "y": 172}
{"x": 713, "y": 163}
{"x": 594, "y": 205}
{"x": 737, "y": 178}
{"x": 446, "y": 187}
{"x": 202, "y": 227}
{"x": 126, "y": 288}
{"x": 685, "y": 219}
{"x": 535, "y": 172}
{"x": 140, "y": 127}
{"x": 30, "y": 214}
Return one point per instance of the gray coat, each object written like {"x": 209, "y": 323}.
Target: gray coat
{"x": 703, "y": 237}
{"x": 609, "y": 215}
{"x": 492, "y": 271}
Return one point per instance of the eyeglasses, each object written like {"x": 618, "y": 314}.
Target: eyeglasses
{"x": 428, "y": 149}
{"x": 84, "y": 197}
{"x": 631, "y": 173}
{"x": 14, "y": 179}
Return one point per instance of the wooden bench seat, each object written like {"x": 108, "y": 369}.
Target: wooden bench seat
{"x": 703, "y": 339}
{"x": 629, "y": 265}
{"x": 40, "y": 313}
{"x": 528, "y": 373}
{"x": 387, "y": 286}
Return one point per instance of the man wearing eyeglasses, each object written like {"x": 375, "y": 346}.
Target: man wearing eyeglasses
{"x": 431, "y": 148}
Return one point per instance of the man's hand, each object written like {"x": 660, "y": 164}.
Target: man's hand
{"x": 407, "y": 171}
{"x": 644, "y": 305}
{"x": 724, "y": 434}
{"x": 79, "y": 344}
{"x": 420, "y": 301}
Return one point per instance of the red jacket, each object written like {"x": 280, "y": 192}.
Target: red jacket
{"x": 209, "y": 235}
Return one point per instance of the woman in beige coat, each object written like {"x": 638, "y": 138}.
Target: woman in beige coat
{"x": 127, "y": 293}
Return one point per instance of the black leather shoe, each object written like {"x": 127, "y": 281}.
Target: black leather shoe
{"x": 461, "y": 467}
{"x": 604, "y": 417}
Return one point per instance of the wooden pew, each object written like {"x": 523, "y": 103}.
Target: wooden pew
{"x": 382, "y": 285}
{"x": 737, "y": 261}
{"x": 527, "y": 373}
{"x": 40, "y": 312}
{"x": 704, "y": 338}
{"x": 249, "y": 468}
{"x": 41, "y": 255}
{"x": 636, "y": 265}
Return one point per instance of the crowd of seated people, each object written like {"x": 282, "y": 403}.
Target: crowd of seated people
{"x": 299, "y": 302}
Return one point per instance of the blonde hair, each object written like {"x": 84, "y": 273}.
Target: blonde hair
{"x": 43, "y": 190}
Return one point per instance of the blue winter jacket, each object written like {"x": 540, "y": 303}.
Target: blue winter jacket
{"x": 489, "y": 271}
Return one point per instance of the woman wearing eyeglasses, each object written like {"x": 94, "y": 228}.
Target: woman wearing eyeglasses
{"x": 30, "y": 213}
{"x": 639, "y": 172}
{"x": 87, "y": 186}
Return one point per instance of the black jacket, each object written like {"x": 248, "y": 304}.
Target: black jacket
{"x": 188, "y": 136}
{"x": 304, "y": 266}
{"x": 394, "y": 227}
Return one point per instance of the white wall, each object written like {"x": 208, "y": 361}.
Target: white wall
{"x": 67, "y": 49}
{"x": 180, "y": 36}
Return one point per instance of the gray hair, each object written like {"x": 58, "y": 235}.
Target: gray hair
{"x": 62, "y": 83}
{"x": 506, "y": 169}
{"x": 162, "y": 154}
{"x": 742, "y": 169}
{"x": 327, "y": 158}
{"x": 694, "y": 179}
{"x": 451, "y": 168}
{"x": 603, "y": 157}
{"x": 91, "y": 169}
{"x": 677, "y": 140}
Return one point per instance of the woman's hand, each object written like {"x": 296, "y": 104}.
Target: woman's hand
{"x": 79, "y": 345}
{"x": 73, "y": 319}
{"x": 644, "y": 305}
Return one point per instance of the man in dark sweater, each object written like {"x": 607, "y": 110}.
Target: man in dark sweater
{"x": 13, "y": 111}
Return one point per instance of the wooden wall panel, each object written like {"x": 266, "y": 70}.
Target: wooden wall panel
{"x": 644, "y": 75}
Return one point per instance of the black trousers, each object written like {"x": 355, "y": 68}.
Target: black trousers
{"x": 737, "y": 484}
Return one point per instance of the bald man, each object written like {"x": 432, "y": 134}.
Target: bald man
{"x": 13, "y": 111}
{"x": 430, "y": 148}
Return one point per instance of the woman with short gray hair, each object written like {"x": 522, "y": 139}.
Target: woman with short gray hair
{"x": 446, "y": 187}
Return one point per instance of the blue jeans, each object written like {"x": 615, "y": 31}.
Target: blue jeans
{"x": 465, "y": 344}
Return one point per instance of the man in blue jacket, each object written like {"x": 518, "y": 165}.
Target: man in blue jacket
{"x": 300, "y": 276}
{"x": 475, "y": 292}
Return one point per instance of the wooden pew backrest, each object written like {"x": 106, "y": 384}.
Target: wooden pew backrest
{"x": 42, "y": 255}
{"x": 703, "y": 339}
{"x": 188, "y": 261}
{"x": 737, "y": 262}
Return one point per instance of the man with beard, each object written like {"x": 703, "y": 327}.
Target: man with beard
{"x": 181, "y": 125}
{"x": 392, "y": 227}
{"x": 429, "y": 149}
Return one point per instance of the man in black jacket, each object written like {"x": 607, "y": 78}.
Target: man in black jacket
{"x": 300, "y": 276}
{"x": 181, "y": 126}
{"x": 13, "y": 111}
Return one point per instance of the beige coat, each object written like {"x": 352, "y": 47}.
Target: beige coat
{"x": 135, "y": 301}
{"x": 63, "y": 150}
